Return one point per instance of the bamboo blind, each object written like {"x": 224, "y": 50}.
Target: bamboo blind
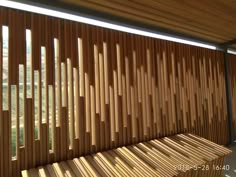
{"x": 80, "y": 89}
{"x": 232, "y": 73}
{"x": 180, "y": 155}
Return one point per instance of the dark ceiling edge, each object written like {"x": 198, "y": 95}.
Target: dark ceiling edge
{"x": 229, "y": 43}
{"x": 89, "y": 13}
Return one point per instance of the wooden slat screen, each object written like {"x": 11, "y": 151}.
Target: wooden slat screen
{"x": 232, "y": 73}
{"x": 85, "y": 89}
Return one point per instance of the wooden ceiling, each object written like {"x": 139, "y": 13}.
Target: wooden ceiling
{"x": 210, "y": 20}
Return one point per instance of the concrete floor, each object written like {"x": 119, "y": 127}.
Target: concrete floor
{"x": 231, "y": 161}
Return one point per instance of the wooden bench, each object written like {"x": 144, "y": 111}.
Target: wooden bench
{"x": 181, "y": 155}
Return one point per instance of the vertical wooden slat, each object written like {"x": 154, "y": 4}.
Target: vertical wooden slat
{"x": 116, "y": 101}
{"x": 127, "y": 73}
{"x": 29, "y": 125}
{"x": 102, "y": 86}
{"x": 134, "y": 128}
{"x": 106, "y": 81}
{"x": 64, "y": 133}
{"x": 148, "y": 85}
{"x": 112, "y": 113}
{"x": 135, "y": 78}
{"x": 87, "y": 60}
{"x": 144, "y": 111}
{"x": 97, "y": 86}
{"x": 6, "y": 144}
{"x": 76, "y": 94}
{"x": 93, "y": 118}
{"x": 87, "y": 95}
{"x": 81, "y": 66}
{"x": 118, "y": 58}
{"x": 71, "y": 103}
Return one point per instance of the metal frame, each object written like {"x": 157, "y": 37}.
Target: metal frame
{"x": 228, "y": 98}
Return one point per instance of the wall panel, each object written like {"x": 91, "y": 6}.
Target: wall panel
{"x": 98, "y": 89}
{"x": 232, "y": 73}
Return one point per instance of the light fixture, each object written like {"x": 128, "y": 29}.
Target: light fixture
{"x": 231, "y": 51}
{"x": 54, "y": 13}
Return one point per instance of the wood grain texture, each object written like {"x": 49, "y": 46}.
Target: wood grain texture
{"x": 98, "y": 89}
{"x": 180, "y": 155}
{"x": 187, "y": 18}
